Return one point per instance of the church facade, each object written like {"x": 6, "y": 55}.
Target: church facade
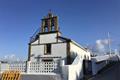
{"x": 51, "y": 53}
{"x": 49, "y": 45}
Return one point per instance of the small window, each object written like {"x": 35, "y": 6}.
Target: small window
{"x": 47, "y": 49}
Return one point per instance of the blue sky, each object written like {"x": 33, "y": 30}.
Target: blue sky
{"x": 85, "y": 21}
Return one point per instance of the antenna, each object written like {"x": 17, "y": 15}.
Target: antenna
{"x": 109, "y": 43}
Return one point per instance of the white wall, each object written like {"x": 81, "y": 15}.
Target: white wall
{"x": 98, "y": 66}
{"x": 35, "y": 42}
{"x": 48, "y": 38}
{"x": 73, "y": 71}
{"x": 76, "y": 70}
{"x": 37, "y": 50}
{"x": 59, "y": 49}
{"x": 79, "y": 51}
{"x": 4, "y": 67}
{"x": 100, "y": 62}
{"x": 65, "y": 72}
{"x": 18, "y": 66}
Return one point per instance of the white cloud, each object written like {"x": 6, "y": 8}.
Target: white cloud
{"x": 11, "y": 57}
{"x": 101, "y": 45}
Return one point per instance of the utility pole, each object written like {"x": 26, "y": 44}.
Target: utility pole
{"x": 119, "y": 49}
{"x": 109, "y": 43}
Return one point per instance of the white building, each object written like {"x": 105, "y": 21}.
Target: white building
{"x": 50, "y": 53}
{"x": 49, "y": 45}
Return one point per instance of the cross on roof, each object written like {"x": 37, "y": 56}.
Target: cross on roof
{"x": 38, "y": 58}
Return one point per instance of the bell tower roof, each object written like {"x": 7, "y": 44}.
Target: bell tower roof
{"x": 49, "y": 23}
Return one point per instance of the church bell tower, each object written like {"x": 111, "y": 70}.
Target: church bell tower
{"x": 49, "y": 23}
{"x": 43, "y": 39}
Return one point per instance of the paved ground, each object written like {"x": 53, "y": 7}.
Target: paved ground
{"x": 112, "y": 73}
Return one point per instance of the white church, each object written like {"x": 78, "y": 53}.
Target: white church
{"x": 51, "y": 56}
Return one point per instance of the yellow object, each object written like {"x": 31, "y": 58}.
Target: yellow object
{"x": 11, "y": 75}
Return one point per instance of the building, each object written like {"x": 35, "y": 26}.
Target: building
{"x": 51, "y": 54}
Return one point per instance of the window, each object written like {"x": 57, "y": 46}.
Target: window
{"x": 47, "y": 49}
{"x": 53, "y": 28}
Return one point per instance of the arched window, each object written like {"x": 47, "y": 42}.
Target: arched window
{"x": 46, "y": 29}
{"x": 53, "y": 28}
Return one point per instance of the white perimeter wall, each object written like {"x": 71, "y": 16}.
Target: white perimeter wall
{"x": 3, "y": 67}
{"x": 73, "y": 71}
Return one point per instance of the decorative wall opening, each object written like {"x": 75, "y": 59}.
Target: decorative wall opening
{"x": 47, "y": 60}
